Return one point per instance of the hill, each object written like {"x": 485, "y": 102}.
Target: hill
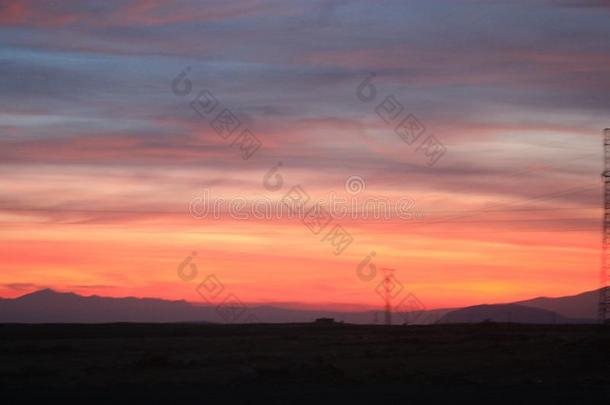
{"x": 582, "y": 305}
{"x": 48, "y": 306}
{"x": 511, "y": 313}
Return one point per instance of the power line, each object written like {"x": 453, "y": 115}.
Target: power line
{"x": 541, "y": 197}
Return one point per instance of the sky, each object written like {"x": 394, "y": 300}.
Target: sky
{"x": 124, "y": 122}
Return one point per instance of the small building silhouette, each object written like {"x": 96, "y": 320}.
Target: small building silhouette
{"x": 325, "y": 321}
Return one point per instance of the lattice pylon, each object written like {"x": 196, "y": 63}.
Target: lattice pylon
{"x": 604, "y": 293}
{"x": 388, "y": 287}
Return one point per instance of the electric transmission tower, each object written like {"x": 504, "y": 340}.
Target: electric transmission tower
{"x": 604, "y": 294}
{"x": 387, "y": 287}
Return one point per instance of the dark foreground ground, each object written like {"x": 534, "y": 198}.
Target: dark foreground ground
{"x": 309, "y": 364}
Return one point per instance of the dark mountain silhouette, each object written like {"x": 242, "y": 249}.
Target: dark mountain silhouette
{"x": 582, "y": 305}
{"x": 48, "y": 306}
{"x": 506, "y": 313}
{"x": 579, "y": 308}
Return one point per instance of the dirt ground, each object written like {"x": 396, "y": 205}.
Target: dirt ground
{"x": 305, "y": 363}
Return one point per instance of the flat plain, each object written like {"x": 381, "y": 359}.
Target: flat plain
{"x": 305, "y": 363}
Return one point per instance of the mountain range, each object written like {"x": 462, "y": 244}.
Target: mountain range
{"x": 49, "y": 306}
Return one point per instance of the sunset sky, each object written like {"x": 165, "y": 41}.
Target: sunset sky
{"x": 103, "y": 160}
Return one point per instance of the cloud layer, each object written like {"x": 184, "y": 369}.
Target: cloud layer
{"x": 97, "y": 151}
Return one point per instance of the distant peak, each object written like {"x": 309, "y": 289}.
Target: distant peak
{"x": 46, "y": 292}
